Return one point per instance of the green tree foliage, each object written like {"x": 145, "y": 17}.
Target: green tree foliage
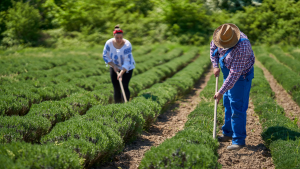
{"x": 230, "y": 5}
{"x": 5, "y": 4}
{"x": 187, "y": 21}
{"x": 275, "y": 21}
{"x": 22, "y": 25}
{"x": 91, "y": 22}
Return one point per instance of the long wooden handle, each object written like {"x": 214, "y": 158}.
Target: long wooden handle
{"x": 215, "y": 111}
{"x": 122, "y": 88}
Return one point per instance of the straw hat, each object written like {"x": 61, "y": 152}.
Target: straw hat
{"x": 226, "y": 35}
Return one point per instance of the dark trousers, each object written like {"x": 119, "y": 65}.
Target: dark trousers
{"x": 117, "y": 88}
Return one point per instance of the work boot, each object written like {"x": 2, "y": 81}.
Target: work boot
{"x": 235, "y": 147}
{"x": 224, "y": 138}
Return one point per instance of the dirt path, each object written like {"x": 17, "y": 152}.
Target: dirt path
{"x": 291, "y": 108}
{"x": 166, "y": 126}
{"x": 255, "y": 155}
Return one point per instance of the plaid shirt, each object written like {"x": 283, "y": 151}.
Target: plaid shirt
{"x": 240, "y": 61}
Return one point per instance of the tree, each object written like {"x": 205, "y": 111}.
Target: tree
{"x": 22, "y": 25}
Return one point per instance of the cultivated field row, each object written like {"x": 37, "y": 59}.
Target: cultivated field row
{"x": 80, "y": 127}
{"x": 98, "y": 136}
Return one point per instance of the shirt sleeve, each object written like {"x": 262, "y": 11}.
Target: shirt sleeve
{"x": 237, "y": 67}
{"x": 106, "y": 52}
{"x": 128, "y": 61}
{"x": 214, "y": 59}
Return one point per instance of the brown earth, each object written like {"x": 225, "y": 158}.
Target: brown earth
{"x": 291, "y": 108}
{"x": 255, "y": 155}
{"x": 166, "y": 126}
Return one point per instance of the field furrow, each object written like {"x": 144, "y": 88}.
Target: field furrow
{"x": 289, "y": 79}
{"x": 125, "y": 120}
{"x": 49, "y": 113}
{"x": 104, "y": 134}
{"x": 194, "y": 146}
{"x": 285, "y": 59}
{"x": 281, "y": 135}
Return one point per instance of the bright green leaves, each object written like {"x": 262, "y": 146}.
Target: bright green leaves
{"x": 26, "y": 155}
{"x": 19, "y": 128}
{"x": 194, "y": 146}
{"x": 289, "y": 79}
{"x": 280, "y": 134}
{"x": 54, "y": 111}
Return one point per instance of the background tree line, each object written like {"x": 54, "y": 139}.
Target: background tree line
{"x": 53, "y": 23}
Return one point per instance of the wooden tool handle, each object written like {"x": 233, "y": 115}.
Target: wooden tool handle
{"x": 215, "y": 111}
{"x": 122, "y": 88}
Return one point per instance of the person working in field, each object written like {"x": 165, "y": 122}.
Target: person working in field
{"x": 117, "y": 53}
{"x": 232, "y": 50}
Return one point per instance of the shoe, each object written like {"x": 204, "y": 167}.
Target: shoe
{"x": 224, "y": 138}
{"x": 235, "y": 147}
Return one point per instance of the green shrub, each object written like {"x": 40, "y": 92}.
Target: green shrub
{"x": 24, "y": 155}
{"x": 282, "y": 57}
{"x": 162, "y": 71}
{"x": 141, "y": 51}
{"x": 159, "y": 51}
{"x": 126, "y": 120}
{"x": 181, "y": 153}
{"x": 16, "y": 98}
{"x": 273, "y": 22}
{"x": 296, "y": 54}
{"x": 230, "y": 5}
{"x": 286, "y": 153}
{"x": 86, "y": 83}
{"x": 54, "y": 111}
{"x": 12, "y": 105}
{"x": 280, "y": 134}
{"x": 92, "y": 140}
{"x": 81, "y": 102}
{"x": 18, "y": 128}
{"x": 22, "y": 22}
{"x": 194, "y": 146}
{"x": 58, "y": 91}
{"x": 289, "y": 79}
{"x": 162, "y": 94}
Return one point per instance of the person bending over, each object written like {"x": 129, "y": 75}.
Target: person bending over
{"x": 232, "y": 49}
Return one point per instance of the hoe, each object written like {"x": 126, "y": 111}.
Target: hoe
{"x": 215, "y": 112}
{"x": 121, "y": 85}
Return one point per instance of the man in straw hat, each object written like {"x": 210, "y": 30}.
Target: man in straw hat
{"x": 231, "y": 48}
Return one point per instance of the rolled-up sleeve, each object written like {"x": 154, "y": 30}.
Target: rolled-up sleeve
{"x": 128, "y": 59}
{"x": 214, "y": 59}
{"x": 106, "y": 52}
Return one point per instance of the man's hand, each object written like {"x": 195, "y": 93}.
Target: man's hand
{"x": 218, "y": 96}
{"x": 216, "y": 72}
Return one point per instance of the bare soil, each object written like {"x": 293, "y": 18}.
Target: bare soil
{"x": 291, "y": 108}
{"x": 255, "y": 155}
{"x": 166, "y": 126}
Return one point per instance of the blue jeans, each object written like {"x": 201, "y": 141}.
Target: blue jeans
{"x": 236, "y": 102}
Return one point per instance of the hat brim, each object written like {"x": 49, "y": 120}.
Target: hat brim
{"x": 235, "y": 39}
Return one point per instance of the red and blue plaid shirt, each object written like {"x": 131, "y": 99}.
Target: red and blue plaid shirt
{"x": 240, "y": 60}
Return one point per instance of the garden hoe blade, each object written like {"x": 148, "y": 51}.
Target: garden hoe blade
{"x": 215, "y": 112}
{"x": 122, "y": 88}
